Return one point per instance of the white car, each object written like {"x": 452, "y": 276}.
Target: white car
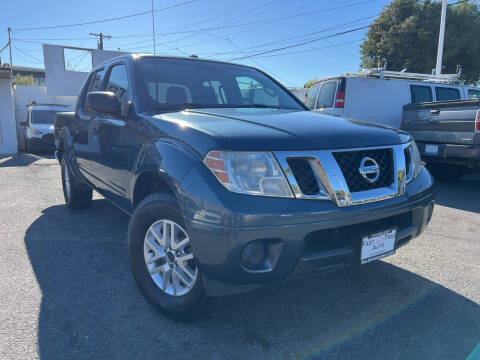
{"x": 380, "y": 100}
{"x": 39, "y": 126}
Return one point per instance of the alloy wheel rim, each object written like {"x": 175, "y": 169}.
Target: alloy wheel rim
{"x": 169, "y": 257}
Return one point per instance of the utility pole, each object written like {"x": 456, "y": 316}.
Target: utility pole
{"x": 100, "y": 42}
{"x": 10, "y": 48}
{"x": 438, "y": 69}
{"x": 153, "y": 29}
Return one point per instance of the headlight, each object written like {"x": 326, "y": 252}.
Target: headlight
{"x": 413, "y": 161}
{"x": 253, "y": 173}
{"x": 36, "y": 131}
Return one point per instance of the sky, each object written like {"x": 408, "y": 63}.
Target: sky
{"x": 244, "y": 31}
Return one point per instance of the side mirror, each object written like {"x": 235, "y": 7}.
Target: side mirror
{"x": 103, "y": 102}
{"x": 23, "y": 123}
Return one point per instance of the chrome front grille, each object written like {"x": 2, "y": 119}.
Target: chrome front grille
{"x": 303, "y": 172}
{"x": 336, "y": 174}
{"x": 349, "y": 162}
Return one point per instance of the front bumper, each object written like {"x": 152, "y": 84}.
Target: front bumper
{"x": 303, "y": 237}
{"x": 42, "y": 142}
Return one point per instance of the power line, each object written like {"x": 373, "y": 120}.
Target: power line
{"x": 288, "y": 39}
{"x": 309, "y": 50}
{"x": 6, "y": 45}
{"x": 458, "y": 2}
{"x": 315, "y": 32}
{"x": 37, "y": 60}
{"x": 300, "y": 44}
{"x": 105, "y": 20}
{"x": 266, "y": 21}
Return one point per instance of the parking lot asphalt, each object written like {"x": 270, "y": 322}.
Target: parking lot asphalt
{"x": 66, "y": 291}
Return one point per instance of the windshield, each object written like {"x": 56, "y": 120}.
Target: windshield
{"x": 181, "y": 83}
{"x": 42, "y": 116}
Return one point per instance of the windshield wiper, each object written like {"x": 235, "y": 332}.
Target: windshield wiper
{"x": 265, "y": 106}
{"x": 189, "y": 105}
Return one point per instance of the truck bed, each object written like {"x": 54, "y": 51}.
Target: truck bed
{"x": 445, "y": 131}
{"x": 61, "y": 119}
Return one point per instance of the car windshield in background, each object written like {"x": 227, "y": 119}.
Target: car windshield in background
{"x": 42, "y": 116}
{"x": 175, "y": 84}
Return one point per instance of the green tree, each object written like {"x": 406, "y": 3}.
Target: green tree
{"x": 406, "y": 34}
{"x": 309, "y": 83}
{"x": 25, "y": 80}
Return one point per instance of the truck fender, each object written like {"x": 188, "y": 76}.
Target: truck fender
{"x": 66, "y": 151}
{"x": 170, "y": 160}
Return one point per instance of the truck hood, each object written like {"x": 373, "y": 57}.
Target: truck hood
{"x": 278, "y": 129}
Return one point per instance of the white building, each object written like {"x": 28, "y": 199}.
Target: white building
{"x": 8, "y": 134}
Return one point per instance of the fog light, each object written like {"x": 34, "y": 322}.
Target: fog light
{"x": 253, "y": 254}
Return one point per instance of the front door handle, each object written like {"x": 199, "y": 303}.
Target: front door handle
{"x": 108, "y": 121}
{"x": 435, "y": 112}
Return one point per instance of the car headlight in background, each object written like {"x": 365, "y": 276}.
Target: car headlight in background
{"x": 36, "y": 131}
{"x": 253, "y": 173}
{"x": 413, "y": 161}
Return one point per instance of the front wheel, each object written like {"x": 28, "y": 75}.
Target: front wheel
{"x": 161, "y": 257}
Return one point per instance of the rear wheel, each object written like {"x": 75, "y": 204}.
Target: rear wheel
{"x": 447, "y": 172}
{"x": 76, "y": 197}
{"x": 161, "y": 257}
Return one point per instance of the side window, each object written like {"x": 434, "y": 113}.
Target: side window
{"x": 118, "y": 84}
{"x": 312, "y": 96}
{"x": 255, "y": 93}
{"x": 420, "y": 94}
{"x": 474, "y": 93}
{"x": 94, "y": 84}
{"x": 326, "y": 95}
{"x": 445, "y": 93}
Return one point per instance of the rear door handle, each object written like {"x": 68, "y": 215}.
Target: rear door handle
{"x": 435, "y": 112}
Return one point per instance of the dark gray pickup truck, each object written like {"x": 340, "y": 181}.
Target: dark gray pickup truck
{"x": 230, "y": 181}
{"x": 447, "y": 134}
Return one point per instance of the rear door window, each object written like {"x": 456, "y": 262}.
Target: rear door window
{"x": 446, "y": 93}
{"x": 474, "y": 93}
{"x": 312, "y": 96}
{"x": 326, "y": 96}
{"x": 420, "y": 94}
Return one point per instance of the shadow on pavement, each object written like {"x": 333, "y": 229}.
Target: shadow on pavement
{"x": 91, "y": 307}
{"x": 463, "y": 194}
{"x": 24, "y": 159}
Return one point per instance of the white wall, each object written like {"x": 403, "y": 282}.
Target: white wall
{"x": 8, "y": 136}
{"x": 25, "y": 94}
{"x": 68, "y": 83}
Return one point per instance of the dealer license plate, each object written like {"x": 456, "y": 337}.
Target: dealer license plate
{"x": 431, "y": 149}
{"x": 377, "y": 246}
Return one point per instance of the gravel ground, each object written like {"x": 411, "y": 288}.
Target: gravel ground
{"x": 66, "y": 291}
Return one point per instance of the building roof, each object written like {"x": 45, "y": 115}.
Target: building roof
{"x": 28, "y": 69}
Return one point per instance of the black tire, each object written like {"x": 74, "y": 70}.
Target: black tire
{"x": 154, "y": 208}
{"x": 76, "y": 196}
{"x": 447, "y": 172}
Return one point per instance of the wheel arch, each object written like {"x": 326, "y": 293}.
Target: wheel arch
{"x": 160, "y": 168}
